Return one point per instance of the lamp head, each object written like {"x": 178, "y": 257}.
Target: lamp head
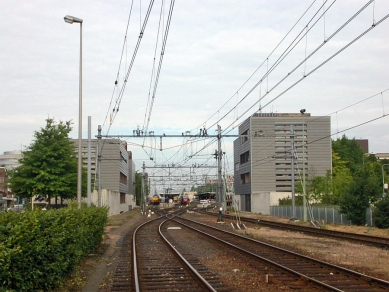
{"x": 71, "y": 19}
{"x": 302, "y": 111}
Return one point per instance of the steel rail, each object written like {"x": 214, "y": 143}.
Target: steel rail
{"x": 347, "y": 271}
{"x": 205, "y": 282}
{"x": 355, "y": 237}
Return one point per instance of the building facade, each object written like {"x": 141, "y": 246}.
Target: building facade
{"x": 263, "y": 156}
{"x": 10, "y": 159}
{"x": 117, "y": 173}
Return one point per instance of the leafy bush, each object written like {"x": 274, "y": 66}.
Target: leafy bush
{"x": 39, "y": 249}
{"x": 381, "y": 213}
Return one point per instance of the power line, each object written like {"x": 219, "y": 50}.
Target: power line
{"x": 120, "y": 63}
{"x": 263, "y": 62}
{"x": 316, "y": 68}
{"x": 121, "y": 92}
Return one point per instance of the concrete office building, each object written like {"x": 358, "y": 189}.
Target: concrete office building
{"x": 262, "y": 159}
{"x": 117, "y": 173}
{"x": 10, "y": 159}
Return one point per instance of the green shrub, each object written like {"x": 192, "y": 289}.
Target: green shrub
{"x": 39, "y": 249}
{"x": 381, "y": 213}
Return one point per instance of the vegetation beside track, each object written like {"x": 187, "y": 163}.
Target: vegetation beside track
{"x": 39, "y": 249}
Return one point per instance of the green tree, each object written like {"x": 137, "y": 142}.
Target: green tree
{"x": 381, "y": 213}
{"x": 327, "y": 189}
{"x": 48, "y": 167}
{"x": 138, "y": 188}
{"x": 364, "y": 190}
{"x": 349, "y": 151}
{"x": 341, "y": 178}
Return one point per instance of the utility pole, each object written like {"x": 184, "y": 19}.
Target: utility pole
{"x": 143, "y": 190}
{"x": 89, "y": 163}
{"x": 292, "y": 168}
{"x": 99, "y": 166}
{"x": 220, "y": 199}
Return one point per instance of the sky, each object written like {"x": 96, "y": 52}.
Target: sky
{"x": 213, "y": 70}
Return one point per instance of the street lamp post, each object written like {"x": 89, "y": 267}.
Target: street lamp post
{"x": 71, "y": 19}
{"x": 383, "y": 181}
{"x": 302, "y": 111}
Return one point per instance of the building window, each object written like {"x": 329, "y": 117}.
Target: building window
{"x": 123, "y": 178}
{"x": 122, "y": 198}
{"x": 245, "y": 138}
{"x": 122, "y": 157}
{"x": 245, "y": 178}
{"x": 245, "y": 157}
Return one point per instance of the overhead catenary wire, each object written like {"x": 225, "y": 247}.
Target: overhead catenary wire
{"x": 272, "y": 158}
{"x": 239, "y": 117}
{"x": 154, "y": 59}
{"x": 276, "y": 64}
{"x": 120, "y": 63}
{"x": 121, "y": 92}
{"x": 120, "y": 95}
{"x": 160, "y": 61}
{"x": 260, "y": 66}
{"x": 296, "y": 67}
{"x": 315, "y": 69}
{"x": 237, "y": 94}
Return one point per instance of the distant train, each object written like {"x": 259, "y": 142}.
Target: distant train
{"x": 185, "y": 200}
{"x": 169, "y": 198}
{"x": 228, "y": 200}
{"x": 155, "y": 200}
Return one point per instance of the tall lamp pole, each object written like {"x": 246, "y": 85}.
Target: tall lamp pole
{"x": 302, "y": 111}
{"x": 383, "y": 181}
{"x": 71, "y": 19}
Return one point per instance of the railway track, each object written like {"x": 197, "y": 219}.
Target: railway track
{"x": 157, "y": 266}
{"x": 326, "y": 276}
{"x": 381, "y": 242}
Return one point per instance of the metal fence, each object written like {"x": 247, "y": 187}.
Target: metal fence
{"x": 326, "y": 214}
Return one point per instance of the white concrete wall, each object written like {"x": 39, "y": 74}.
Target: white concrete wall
{"x": 261, "y": 202}
{"x": 111, "y": 199}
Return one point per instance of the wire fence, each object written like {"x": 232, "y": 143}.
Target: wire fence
{"x": 326, "y": 214}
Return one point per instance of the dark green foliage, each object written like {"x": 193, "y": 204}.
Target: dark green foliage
{"x": 138, "y": 188}
{"x": 381, "y": 213}
{"x": 349, "y": 151}
{"x": 39, "y": 249}
{"x": 48, "y": 166}
{"x": 365, "y": 189}
{"x": 298, "y": 200}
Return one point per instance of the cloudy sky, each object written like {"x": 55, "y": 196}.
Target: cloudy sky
{"x": 213, "y": 71}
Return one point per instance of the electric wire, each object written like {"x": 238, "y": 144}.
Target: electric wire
{"x": 278, "y": 61}
{"x": 301, "y": 63}
{"x": 311, "y": 72}
{"x": 154, "y": 59}
{"x": 263, "y": 62}
{"x": 121, "y": 92}
{"x": 120, "y": 95}
{"x": 317, "y": 67}
{"x": 160, "y": 60}
{"x": 120, "y": 63}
